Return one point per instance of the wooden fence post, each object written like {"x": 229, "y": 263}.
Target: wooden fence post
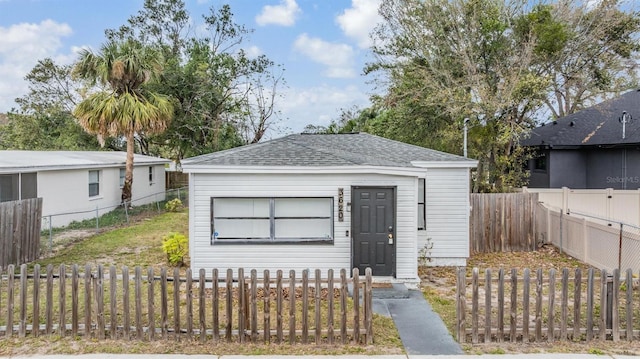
{"x": 215, "y": 313}
{"x": 292, "y": 306}
{"x": 88, "y": 283}
{"x": 461, "y": 299}
{"x": 267, "y": 306}
{"x": 189, "y": 303}
{"x": 513, "y": 314}
{"x": 113, "y": 301}
{"x": 487, "y": 306}
{"x": 138, "y": 293}
{"x": 229, "y": 304}
{"x": 126, "y": 304}
{"x": 279, "y": 307}
{"x": 254, "y": 305}
{"x": 177, "y": 331}
{"x": 305, "y": 306}
{"x": 577, "y": 296}
{"x": 552, "y": 299}
{"x": 368, "y": 305}
{"x": 150, "y": 304}
{"x": 356, "y": 305}
{"x": 35, "y": 328}
{"x": 343, "y": 306}
{"x": 62, "y": 322}
{"x": 75, "y": 301}
{"x": 330, "y": 314}
{"x": 526, "y": 297}
{"x": 474, "y": 306}
{"x": 202, "y": 305}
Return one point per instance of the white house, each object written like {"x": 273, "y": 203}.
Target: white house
{"x": 311, "y": 201}
{"x": 74, "y": 183}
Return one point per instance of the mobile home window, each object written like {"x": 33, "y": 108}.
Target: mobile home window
{"x": 122, "y": 174}
{"x": 422, "y": 215}
{"x": 150, "y": 175}
{"x": 271, "y": 220}
{"x": 94, "y": 183}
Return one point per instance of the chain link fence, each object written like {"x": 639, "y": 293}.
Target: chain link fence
{"x": 108, "y": 217}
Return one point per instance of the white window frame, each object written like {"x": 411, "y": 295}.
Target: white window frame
{"x": 151, "y": 175}
{"x": 273, "y": 219}
{"x": 97, "y": 182}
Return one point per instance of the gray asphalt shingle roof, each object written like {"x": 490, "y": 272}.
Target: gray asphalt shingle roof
{"x": 594, "y": 126}
{"x": 48, "y": 160}
{"x": 317, "y": 150}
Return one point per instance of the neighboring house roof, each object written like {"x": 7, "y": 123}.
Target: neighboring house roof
{"x": 597, "y": 125}
{"x": 327, "y": 150}
{"x": 21, "y": 161}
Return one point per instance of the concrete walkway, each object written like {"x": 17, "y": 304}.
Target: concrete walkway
{"x": 421, "y": 330}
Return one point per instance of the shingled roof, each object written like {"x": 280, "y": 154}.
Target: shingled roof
{"x": 322, "y": 150}
{"x": 598, "y": 125}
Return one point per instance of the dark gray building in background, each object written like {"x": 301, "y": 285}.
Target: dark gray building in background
{"x": 598, "y": 147}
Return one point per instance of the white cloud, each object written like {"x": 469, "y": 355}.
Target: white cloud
{"x": 284, "y": 14}
{"x": 21, "y": 46}
{"x": 357, "y": 21}
{"x": 338, "y": 58}
{"x": 253, "y": 51}
{"x": 318, "y": 105}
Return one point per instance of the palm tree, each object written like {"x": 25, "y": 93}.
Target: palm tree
{"x": 123, "y": 106}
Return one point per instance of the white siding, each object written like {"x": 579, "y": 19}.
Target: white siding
{"x": 447, "y": 211}
{"x": 65, "y": 191}
{"x": 296, "y": 256}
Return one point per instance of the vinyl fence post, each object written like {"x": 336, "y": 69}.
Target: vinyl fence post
{"x": 620, "y": 248}
{"x": 561, "y": 222}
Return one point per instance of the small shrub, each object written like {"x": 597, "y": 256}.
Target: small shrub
{"x": 175, "y": 245}
{"x": 175, "y": 205}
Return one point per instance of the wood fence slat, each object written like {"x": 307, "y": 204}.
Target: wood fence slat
{"x": 126, "y": 303}
{"x": 461, "y": 304}
{"x": 229, "y": 306}
{"x": 75, "y": 300}
{"x": 577, "y": 303}
{"x": 176, "y": 304}
{"x": 552, "y": 307}
{"x": 138, "y": 301}
{"x": 629, "y": 304}
{"x": 202, "y": 315}
{"x": 189, "y": 303}
{"x": 36, "y": 300}
{"x": 539, "y": 305}
{"x": 215, "y": 314}
{"x": 164, "y": 304}
{"x": 10, "y": 299}
{"x": 356, "y": 305}
{"x": 305, "y": 307}
{"x": 151, "y": 304}
{"x": 487, "y": 306}
{"x": 330, "y": 304}
{"x": 564, "y": 310}
{"x": 100, "y": 301}
{"x": 474, "y": 306}
{"x": 292, "y": 306}
{"x": 113, "y": 301}
{"x": 590, "y": 295}
{"x": 49, "y": 301}
{"x": 22, "y": 328}
{"x": 500, "y": 307}
{"x": 87, "y": 300}
{"x": 603, "y": 304}
{"x": 318, "y": 308}
{"x": 241, "y": 304}
{"x": 254, "y": 305}
{"x": 62, "y": 308}
{"x": 513, "y": 313}
{"x": 343, "y": 306}
{"x": 279, "y": 324}
{"x": 615, "y": 320}
{"x": 267, "y": 306}
{"x": 368, "y": 306}
{"x": 526, "y": 297}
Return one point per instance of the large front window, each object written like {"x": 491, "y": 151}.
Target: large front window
{"x": 94, "y": 183}
{"x": 253, "y": 220}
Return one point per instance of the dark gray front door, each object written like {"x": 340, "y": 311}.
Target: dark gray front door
{"x": 373, "y": 229}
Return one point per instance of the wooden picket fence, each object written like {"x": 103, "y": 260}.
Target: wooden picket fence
{"x": 113, "y": 304}
{"x": 540, "y": 307}
{"x": 20, "y": 223}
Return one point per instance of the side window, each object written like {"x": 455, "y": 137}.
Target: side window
{"x": 122, "y": 173}
{"x": 422, "y": 215}
{"x": 94, "y": 183}
{"x": 150, "y": 175}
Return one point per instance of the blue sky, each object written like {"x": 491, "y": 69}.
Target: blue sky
{"x": 322, "y": 44}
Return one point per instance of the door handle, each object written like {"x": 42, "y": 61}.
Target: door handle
{"x": 390, "y": 238}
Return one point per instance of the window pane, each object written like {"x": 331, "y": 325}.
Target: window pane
{"x": 122, "y": 173}
{"x": 151, "y": 174}
{"x": 303, "y": 207}
{"x": 94, "y": 189}
{"x": 420, "y": 190}
{"x": 421, "y": 217}
{"x": 29, "y": 186}
{"x": 241, "y": 207}
{"x": 93, "y": 176}
{"x": 9, "y": 188}
{"x": 319, "y": 228}
{"x": 241, "y": 229}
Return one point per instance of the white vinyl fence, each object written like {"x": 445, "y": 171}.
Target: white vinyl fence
{"x": 597, "y": 241}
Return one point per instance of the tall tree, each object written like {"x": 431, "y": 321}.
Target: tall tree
{"x": 224, "y": 97}
{"x": 461, "y": 58}
{"x": 123, "y": 105}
